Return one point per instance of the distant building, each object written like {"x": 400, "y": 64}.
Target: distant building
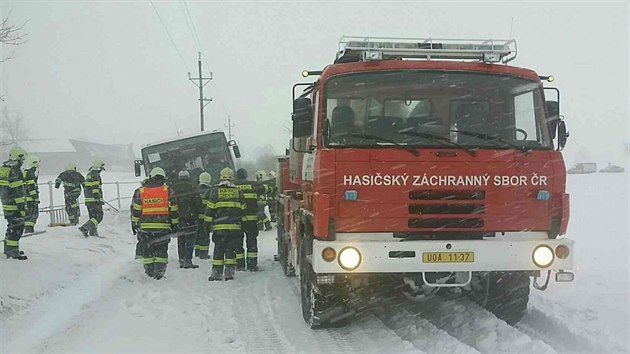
{"x": 55, "y": 154}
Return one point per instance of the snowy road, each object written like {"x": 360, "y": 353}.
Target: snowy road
{"x": 89, "y": 295}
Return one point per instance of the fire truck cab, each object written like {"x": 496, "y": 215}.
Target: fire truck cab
{"x": 431, "y": 160}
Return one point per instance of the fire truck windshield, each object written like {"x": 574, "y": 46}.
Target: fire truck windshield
{"x": 431, "y": 108}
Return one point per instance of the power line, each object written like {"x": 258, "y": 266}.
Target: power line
{"x": 169, "y": 36}
{"x": 196, "y": 37}
{"x": 188, "y": 25}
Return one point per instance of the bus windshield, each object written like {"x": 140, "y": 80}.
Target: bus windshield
{"x": 209, "y": 153}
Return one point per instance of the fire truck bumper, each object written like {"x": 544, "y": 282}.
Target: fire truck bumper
{"x": 442, "y": 256}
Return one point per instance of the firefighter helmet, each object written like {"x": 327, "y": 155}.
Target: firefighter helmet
{"x": 260, "y": 174}
{"x": 71, "y": 167}
{"x": 31, "y": 161}
{"x": 205, "y": 178}
{"x": 227, "y": 174}
{"x": 98, "y": 164}
{"x": 183, "y": 174}
{"x": 272, "y": 174}
{"x": 17, "y": 154}
{"x": 157, "y": 171}
{"x": 241, "y": 173}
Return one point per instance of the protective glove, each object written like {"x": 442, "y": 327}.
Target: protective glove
{"x": 57, "y": 185}
{"x": 134, "y": 228}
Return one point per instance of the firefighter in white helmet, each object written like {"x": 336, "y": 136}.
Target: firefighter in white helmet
{"x": 154, "y": 217}
{"x": 224, "y": 214}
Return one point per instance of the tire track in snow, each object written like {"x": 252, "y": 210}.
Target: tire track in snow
{"x": 561, "y": 336}
{"x": 476, "y": 327}
{"x": 419, "y": 332}
{"x": 259, "y": 332}
{"x": 364, "y": 334}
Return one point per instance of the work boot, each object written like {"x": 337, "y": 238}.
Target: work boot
{"x": 148, "y": 270}
{"x": 252, "y": 264}
{"x": 16, "y": 255}
{"x": 93, "y": 232}
{"x": 84, "y": 231}
{"x": 229, "y": 272}
{"x": 182, "y": 263}
{"x": 268, "y": 226}
{"x": 159, "y": 270}
{"x": 188, "y": 264}
{"x": 29, "y": 229}
{"x": 217, "y": 273}
{"x": 204, "y": 255}
{"x": 240, "y": 264}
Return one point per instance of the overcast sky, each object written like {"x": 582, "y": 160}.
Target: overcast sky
{"x": 107, "y": 71}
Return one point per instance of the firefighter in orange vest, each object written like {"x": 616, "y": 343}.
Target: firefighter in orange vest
{"x": 154, "y": 218}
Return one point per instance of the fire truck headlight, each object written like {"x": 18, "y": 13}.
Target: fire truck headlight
{"x": 349, "y": 258}
{"x": 543, "y": 256}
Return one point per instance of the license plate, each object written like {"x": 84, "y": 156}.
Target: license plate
{"x": 448, "y": 257}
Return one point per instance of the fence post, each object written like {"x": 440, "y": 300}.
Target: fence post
{"x": 118, "y": 194}
{"x": 51, "y": 202}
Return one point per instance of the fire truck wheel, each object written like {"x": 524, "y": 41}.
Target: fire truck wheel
{"x": 322, "y": 305}
{"x": 505, "y": 294}
{"x": 283, "y": 255}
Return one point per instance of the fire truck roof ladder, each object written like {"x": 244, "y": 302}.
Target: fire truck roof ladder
{"x": 352, "y": 49}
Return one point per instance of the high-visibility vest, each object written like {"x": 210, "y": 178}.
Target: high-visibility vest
{"x": 154, "y": 200}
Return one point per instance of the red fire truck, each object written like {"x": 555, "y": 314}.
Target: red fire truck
{"x": 433, "y": 161}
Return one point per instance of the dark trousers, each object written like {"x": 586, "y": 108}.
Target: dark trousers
{"x": 155, "y": 254}
{"x": 251, "y": 240}
{"x": 32, "y": 213}
{"x": 72, "y": 207}
{"x": 239, "y": 252}
{"x": 95, "y": 211}
{"x": 225, "y": 243}
{"x": 202, "y": 244}
{"x": 186, "y": 240}
{"x": 15, "y": 229}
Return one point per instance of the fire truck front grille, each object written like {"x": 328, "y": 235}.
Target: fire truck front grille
{"x": 447, "y": 195}
{"x": 447, "y": 209}
{"x": 445, "y": 223}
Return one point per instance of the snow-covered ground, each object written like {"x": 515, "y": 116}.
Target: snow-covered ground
{"x": 90, "y": 295}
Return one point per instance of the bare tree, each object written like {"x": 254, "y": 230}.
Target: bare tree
{"x": 13, "y": 128}
{"x": 11, "y": 35}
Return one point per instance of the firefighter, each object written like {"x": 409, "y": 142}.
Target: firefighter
{"x": 271, "y": 196}
{"x": 251, "y": 192}
{"x": 13, "y": 198}
{"x": 93, "y": 198}
{"x": 154, "y": 218}
{"x": 224, "y": 215}
{"x": 189, "y": 205}
{"x": 31, "y": 173}
{"x": 202, "y": 245}
{"x": 72, "y": 182}
{"x": 264, "y": 222}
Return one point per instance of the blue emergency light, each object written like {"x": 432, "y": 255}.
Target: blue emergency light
{"x": 350, "y": 195}
{"x": 543, "y": 195}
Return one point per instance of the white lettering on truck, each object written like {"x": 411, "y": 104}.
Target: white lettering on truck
{"x": 387, "y": 180}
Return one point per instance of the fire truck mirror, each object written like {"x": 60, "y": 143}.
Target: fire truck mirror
{"x": 302, "y": 117}
{"x": 136, "y": 166}
{"x": 563, "y": 134}
{"x": 553, "y": 115}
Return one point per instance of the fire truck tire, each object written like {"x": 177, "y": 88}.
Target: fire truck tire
{"x": 505, "y": 294}
{"x": 283, "y": 254}
{"x": 323, "y": 306}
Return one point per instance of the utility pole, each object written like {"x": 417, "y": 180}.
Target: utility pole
{"x": 202, "y": 81}
{"x": 229, "y": 127}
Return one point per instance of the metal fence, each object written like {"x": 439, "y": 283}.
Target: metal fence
{"x": 57, "y": 212}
